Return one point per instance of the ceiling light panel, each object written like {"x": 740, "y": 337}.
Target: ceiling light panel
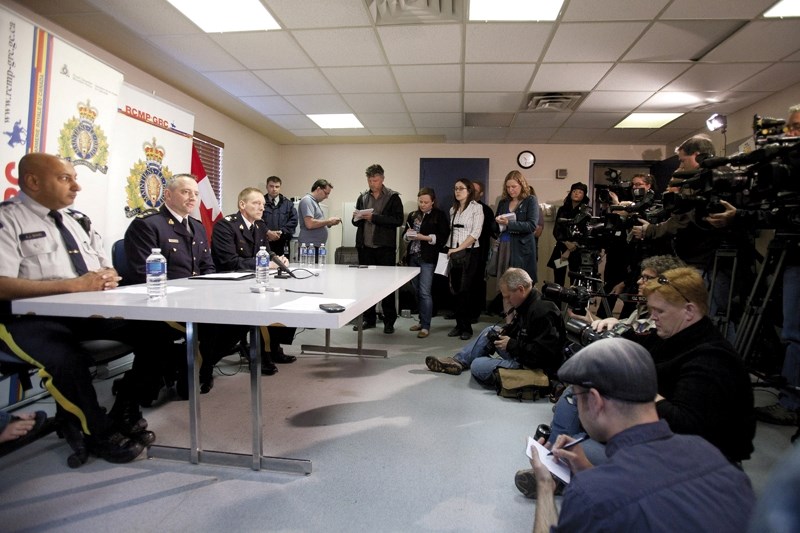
{"x": 647, "y": 120}
{"x": 336, "y": 121}
{"x": 233, "y": 16}
{"x": 784, "y": 8}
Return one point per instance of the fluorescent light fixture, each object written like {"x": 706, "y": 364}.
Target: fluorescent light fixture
{"x": 213, "y": 16}
{"x": 783, "y": 9}
{"x": 482, "y": 10}
{"x": 717, "y": 122}
{"x": 336, "y": 121}
{"x": 647, "y": 120}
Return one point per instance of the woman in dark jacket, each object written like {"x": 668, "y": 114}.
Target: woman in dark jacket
{"x": 425, "y": 232}
{"x": 575, "y": 200}
{"x": 515, "y": 223}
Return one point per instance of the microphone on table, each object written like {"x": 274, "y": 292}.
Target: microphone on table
{"x": 283, "y": 272}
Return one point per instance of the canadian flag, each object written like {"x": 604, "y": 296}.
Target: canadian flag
{"x": 208, "y": 211}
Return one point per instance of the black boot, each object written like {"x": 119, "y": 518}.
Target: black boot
{"x": 127, "y": 419}
{"x": 114, "y": 447}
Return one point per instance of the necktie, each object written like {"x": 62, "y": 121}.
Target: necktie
{"x": 187, "y": 225}
{"x": 69, "y": 241}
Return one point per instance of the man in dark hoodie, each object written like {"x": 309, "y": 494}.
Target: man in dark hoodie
{"x": 378, "y": 214}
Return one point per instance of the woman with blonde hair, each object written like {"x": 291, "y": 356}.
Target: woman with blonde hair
{"x": 515, "y": 223}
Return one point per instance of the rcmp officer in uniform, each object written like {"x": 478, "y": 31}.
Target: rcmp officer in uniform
{"x": 184, "y": 244}
{"x": 47, "y": 249}
{"x": 237, "y": 239}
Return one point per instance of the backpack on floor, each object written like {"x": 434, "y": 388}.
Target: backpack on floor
{"x": 521, "y": 384}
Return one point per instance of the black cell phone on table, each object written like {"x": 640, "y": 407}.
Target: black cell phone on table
{"x": 331, "y": 308}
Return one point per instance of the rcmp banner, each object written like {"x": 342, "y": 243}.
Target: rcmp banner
{"x": 154, "y": 143}
{"x": 59, "y": 100}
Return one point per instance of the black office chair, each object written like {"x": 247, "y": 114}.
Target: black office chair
{"x": 120, "y": 262}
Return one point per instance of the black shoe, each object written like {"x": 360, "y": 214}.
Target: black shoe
{"x": 465, "y": 335}
{"x": 450, "y": 316}
{"x": 278, "y": 356}
{"x": 114, "y": 448}
{"x": 455, "y": 332}
{"x": 206, "y": 384}
{"x": 127, "y": 419}
{"x": 364, "y": 325}
{"x": 388, "y": 329}
{"x": 268, "y": 368}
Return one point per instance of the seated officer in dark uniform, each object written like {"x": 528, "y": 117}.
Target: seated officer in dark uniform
{"x": 184, "y": 244}
{"x": 48, "y": 249}
{"x": 237, "y": 239}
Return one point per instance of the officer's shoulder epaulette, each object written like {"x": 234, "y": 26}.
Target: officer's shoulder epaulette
{"x": 147, "y": 213}
{"x": 81, "y": 218}
{"x": 230, "y": 217}
{"x": 8, "y": 202}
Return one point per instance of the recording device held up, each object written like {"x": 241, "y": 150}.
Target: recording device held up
{"x": 580, "y": 334}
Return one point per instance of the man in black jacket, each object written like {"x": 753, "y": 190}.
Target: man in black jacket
{"x": 280, "y": 217}
{"x": 237, "y": 239}
{"x": 378, "y": 214}
{"x": 534, "y": 338}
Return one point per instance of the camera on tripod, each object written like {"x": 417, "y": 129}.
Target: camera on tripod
{"x": 615, "y": 184}
{"x": 576, "y": 297}
{"x": 580, "y": 334}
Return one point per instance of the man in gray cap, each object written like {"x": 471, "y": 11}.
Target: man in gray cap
{"x": 654, "y": 480}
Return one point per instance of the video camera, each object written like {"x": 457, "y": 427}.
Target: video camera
{"x": 767, "y": 178}
{"x": 580, "y": 334}
{"x": 615, "y": 184}
{"x": 576, "y": 297}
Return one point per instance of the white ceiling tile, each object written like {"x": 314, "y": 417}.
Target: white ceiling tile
{"x": 775, "y": 78}
{"x": 433, "y": 102}
{"x": 240, "y": 83}
{"x": 748, "y": 43}
{"x": 349, "y": 132}
{"x": 690, "y": 121}
{"x": 451, "y": 134}
{"x": 264, "y": 50}
{"x": 393, "y": 131}
{"x": 497, "y": 77}
{"x": 707, "y": 77}
{"x": 716, "y": 9}
{"x": 293, "y": 122}
{"x": 540, "y": 119}
{"x": 688, "y": 39}
{"x": 569, "y": 76}
{"x": 730, "y": 102}
{"x": 196, "y": 51}
{"x": 670, "y": 135}
{"x": 530, "y": 134}
{"x": 599, "y": 41}
{"x": 577, "y": 135}
{"x": 422, "y": 44}
{"x": 316, "y": 14}
{"x": 593, "y": 10}
{"x": 674, "y": 102}
{"x": 493, "y": 102}
{"x": 361, "y": 79}
{"x": 437, "y": 120}
{"x": 627, "y": 135}
{"x": 375, "y": 103}
{"x": 319, "y": 104}
{"x": 641, "y": 76}
{"x": 270, "y": 105}
{"x": 506, "y": 42}
{"x": 428, "y": 78}
{"x": 317, "y": 132}
{"x": 614, "y": 100}
{"x": 341, "y": 47}
{"x": 793, "y": 57}
{"x": 385, "y": 120}
{"x": 296, "y": 81}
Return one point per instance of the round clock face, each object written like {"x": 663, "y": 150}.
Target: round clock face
{"x": 526, "y": 159}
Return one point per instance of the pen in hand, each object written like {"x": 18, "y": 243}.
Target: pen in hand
{"x": 573, "y": 443}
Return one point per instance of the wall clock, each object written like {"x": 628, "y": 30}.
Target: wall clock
{"x": 526, "y": 159}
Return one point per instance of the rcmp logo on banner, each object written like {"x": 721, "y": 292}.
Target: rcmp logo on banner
{"x": 83, "y": 142}
{"x": 147, "y": 181}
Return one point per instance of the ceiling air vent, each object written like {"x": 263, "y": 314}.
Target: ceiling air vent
{"x": 386, "y": 12}
{"x": 554, "y": 101}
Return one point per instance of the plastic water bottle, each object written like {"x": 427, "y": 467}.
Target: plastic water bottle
{"x": 323, "y": 256}
{"x": 302, "y": 254}
{"x": 262, "y": 267}
{"x": 156, "y": 271}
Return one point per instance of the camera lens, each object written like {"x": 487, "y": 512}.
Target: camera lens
{"x": 542, "y": 431}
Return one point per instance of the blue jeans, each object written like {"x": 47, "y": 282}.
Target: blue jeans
{"x": 566, "y": 421}
{"x": 475, "y": 356}
{"x": 791, "y": 334}
{"x": 422, "y": 288}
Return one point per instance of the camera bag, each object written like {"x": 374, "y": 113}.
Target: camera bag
{"x": 521, "y": 384}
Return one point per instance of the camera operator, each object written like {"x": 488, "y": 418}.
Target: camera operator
{"x": 785, "y": 411}
{"x": 703, "y": 388}
{"x": 694, "y": 240}
{"x": 533, "y": 338}
{"x": 622, "y": 261}
{"x": 575, "y": 200}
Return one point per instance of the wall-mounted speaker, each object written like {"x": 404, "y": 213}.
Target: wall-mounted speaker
{"x": 561, "y": 173}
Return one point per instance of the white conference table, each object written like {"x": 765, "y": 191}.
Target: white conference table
{"x": 231, "y": 302}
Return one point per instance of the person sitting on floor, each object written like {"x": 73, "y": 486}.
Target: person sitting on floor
{"x": 654, "y": 479}
{"x": 533, "y": 338}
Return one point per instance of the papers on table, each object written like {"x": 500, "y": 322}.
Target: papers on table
{"x": 556, "y": 467}
{"x": 226, "y": 275}
{"x": 311, "y": 303}
{"x": 359, "y": 213}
